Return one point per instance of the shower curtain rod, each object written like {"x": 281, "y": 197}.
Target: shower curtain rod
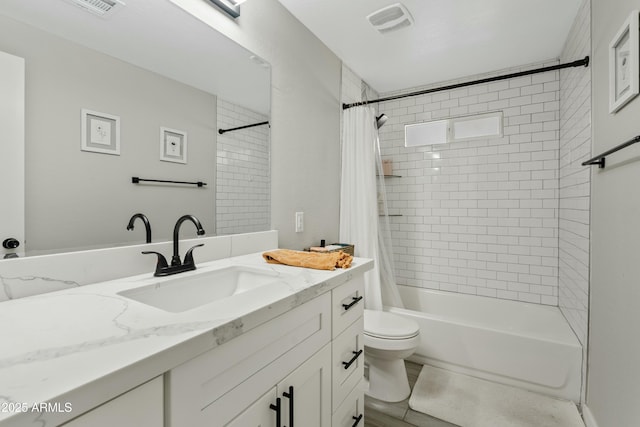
{"x": 579, "y": 63}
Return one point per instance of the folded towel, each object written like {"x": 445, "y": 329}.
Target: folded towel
{"x": 319, "y": 261}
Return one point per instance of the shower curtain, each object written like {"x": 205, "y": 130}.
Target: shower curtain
{"x": 363, "y": 216}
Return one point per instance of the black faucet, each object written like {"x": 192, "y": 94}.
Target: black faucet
{"x": 144, "y": 219}
{"x": 177, "y": 266}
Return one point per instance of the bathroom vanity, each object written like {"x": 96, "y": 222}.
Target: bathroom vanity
{"x": 284, "y": 352}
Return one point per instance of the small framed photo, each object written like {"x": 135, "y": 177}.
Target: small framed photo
{"x": 624, "y": 71}
{"x": 173, "y": 145}
{"x": 100, "y": 132}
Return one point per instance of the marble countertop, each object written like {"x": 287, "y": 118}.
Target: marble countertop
{"x": 77, "y": 348}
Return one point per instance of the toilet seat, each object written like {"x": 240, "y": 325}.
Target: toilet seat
{"x": 389, "y": 326}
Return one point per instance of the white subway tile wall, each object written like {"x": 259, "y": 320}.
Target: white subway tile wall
{"x": 243, "y": 183}
{"x": 479, "y": 217}
{"x": 575, "y": 147}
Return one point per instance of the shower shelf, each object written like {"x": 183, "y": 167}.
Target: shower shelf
{"x": 392, "y": 215}
{"x": 391, "y": 176}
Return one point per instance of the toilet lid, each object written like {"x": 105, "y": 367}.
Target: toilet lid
{"x": 382, "y": 324}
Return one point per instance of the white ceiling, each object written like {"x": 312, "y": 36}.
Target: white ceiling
{"x": 449, "y": 39}
{"x": 159, "y": 36}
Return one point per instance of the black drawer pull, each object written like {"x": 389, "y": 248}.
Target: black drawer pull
{"x": 358, "y": 418}
{"x": 353, "y": 359}
{"x": 289, "y": 396}
{"x": 354, "y": 302}
{"x": 277, "y": 407}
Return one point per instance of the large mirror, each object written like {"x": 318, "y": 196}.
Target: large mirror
{"x": 139, "y": 92}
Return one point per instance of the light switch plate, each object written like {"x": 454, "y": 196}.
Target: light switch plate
{"x": 299, "y": 222}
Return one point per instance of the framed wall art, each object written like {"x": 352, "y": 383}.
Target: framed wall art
{"x": 624, "y": 72}
{"x": 173, "y": 145}
{"x": 100, "y": 132}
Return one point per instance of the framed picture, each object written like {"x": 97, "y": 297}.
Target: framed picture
{"x": 173, "y": 145}
{"x": 100, "y": 132}
{"x": 624, "y": 71}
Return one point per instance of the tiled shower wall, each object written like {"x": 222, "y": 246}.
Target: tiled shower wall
{"x": 479, "y": 217}
{"x": 243, "y": 184}
{"x": 575, "y": 147}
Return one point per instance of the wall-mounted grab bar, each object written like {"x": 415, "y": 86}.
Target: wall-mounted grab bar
{"x": 136, "y": 180}
{"x": 221, "y": 131}
{"x": 599, "y": 159}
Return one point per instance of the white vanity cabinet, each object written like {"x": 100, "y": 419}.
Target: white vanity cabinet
{"x": 290, "y": 365}
{"x": 142, "y": 406}
{"x": 221, "y": 384}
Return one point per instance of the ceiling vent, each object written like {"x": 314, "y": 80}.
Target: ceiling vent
{"x": 390, "y": 18}
{"x": 102, "y": 8}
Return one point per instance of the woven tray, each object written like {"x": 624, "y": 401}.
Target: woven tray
{"x": 345, "y": 247}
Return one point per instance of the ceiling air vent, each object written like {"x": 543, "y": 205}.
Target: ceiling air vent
{"x": 102, "y": 8}
{"x": 390, "y": 18}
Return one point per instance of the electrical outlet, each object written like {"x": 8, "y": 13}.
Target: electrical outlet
{"x": 299, "y": 222}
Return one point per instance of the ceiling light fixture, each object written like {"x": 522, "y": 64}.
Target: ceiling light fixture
{"x": 230, "y": 7}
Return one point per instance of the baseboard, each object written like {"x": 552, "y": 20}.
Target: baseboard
{"x": 587, "y": 416}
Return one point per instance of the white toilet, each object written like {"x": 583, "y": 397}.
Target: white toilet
{"x": 388, "y": 340}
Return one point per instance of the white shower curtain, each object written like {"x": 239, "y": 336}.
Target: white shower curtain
{"x": 359, "y": 211}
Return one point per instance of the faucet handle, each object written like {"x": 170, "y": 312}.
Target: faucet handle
{"x": 162, "y": 261}
{"x": 188, "y": 257}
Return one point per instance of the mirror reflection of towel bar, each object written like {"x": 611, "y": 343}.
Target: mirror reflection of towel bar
{"x": 222, "y": 131}
{"x": 136, "y": 180}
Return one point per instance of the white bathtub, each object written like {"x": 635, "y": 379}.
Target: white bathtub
{"x": 525, "y": 345}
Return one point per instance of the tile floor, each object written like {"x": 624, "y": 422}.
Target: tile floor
{"x": 383, "y": 414}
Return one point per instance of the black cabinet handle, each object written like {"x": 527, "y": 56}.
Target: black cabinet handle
{"x": 289, "y": 395}
{"x": 358, "y": 418}
{"x": 354, "y": 302}
{"x": 278, "y": 408}
{"x": 353, "y": 359}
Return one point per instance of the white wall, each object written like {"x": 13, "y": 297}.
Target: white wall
{"x": 243, "y": 184}
{"x": 479, "y": 217}
{"x": 305, "y": 115}
{"x": 613, "y": 388}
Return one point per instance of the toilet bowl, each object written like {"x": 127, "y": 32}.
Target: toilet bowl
{"x": 388, "y": 340}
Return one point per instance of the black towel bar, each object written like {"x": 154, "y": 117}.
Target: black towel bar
{"x": 599, "y": 159}
{"x": 136, "y": 180}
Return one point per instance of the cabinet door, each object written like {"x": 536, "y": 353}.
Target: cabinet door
{"x": 306, "y": 392}
{"x": 142, "y": 406}
{"x": 259, "y": 414}
{"x": 348, "y": 361}
{"x": 351, "y": 412}
{"x": 347, "y": 303}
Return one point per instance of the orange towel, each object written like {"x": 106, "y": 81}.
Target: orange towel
{"x": 317, "y": 260}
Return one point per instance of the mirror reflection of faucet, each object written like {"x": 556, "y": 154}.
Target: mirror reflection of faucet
{"x": 144, "y": 219}
{"x": 177, "y": 266}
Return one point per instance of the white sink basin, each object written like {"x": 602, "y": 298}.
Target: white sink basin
{"x": 183, "y": 293}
